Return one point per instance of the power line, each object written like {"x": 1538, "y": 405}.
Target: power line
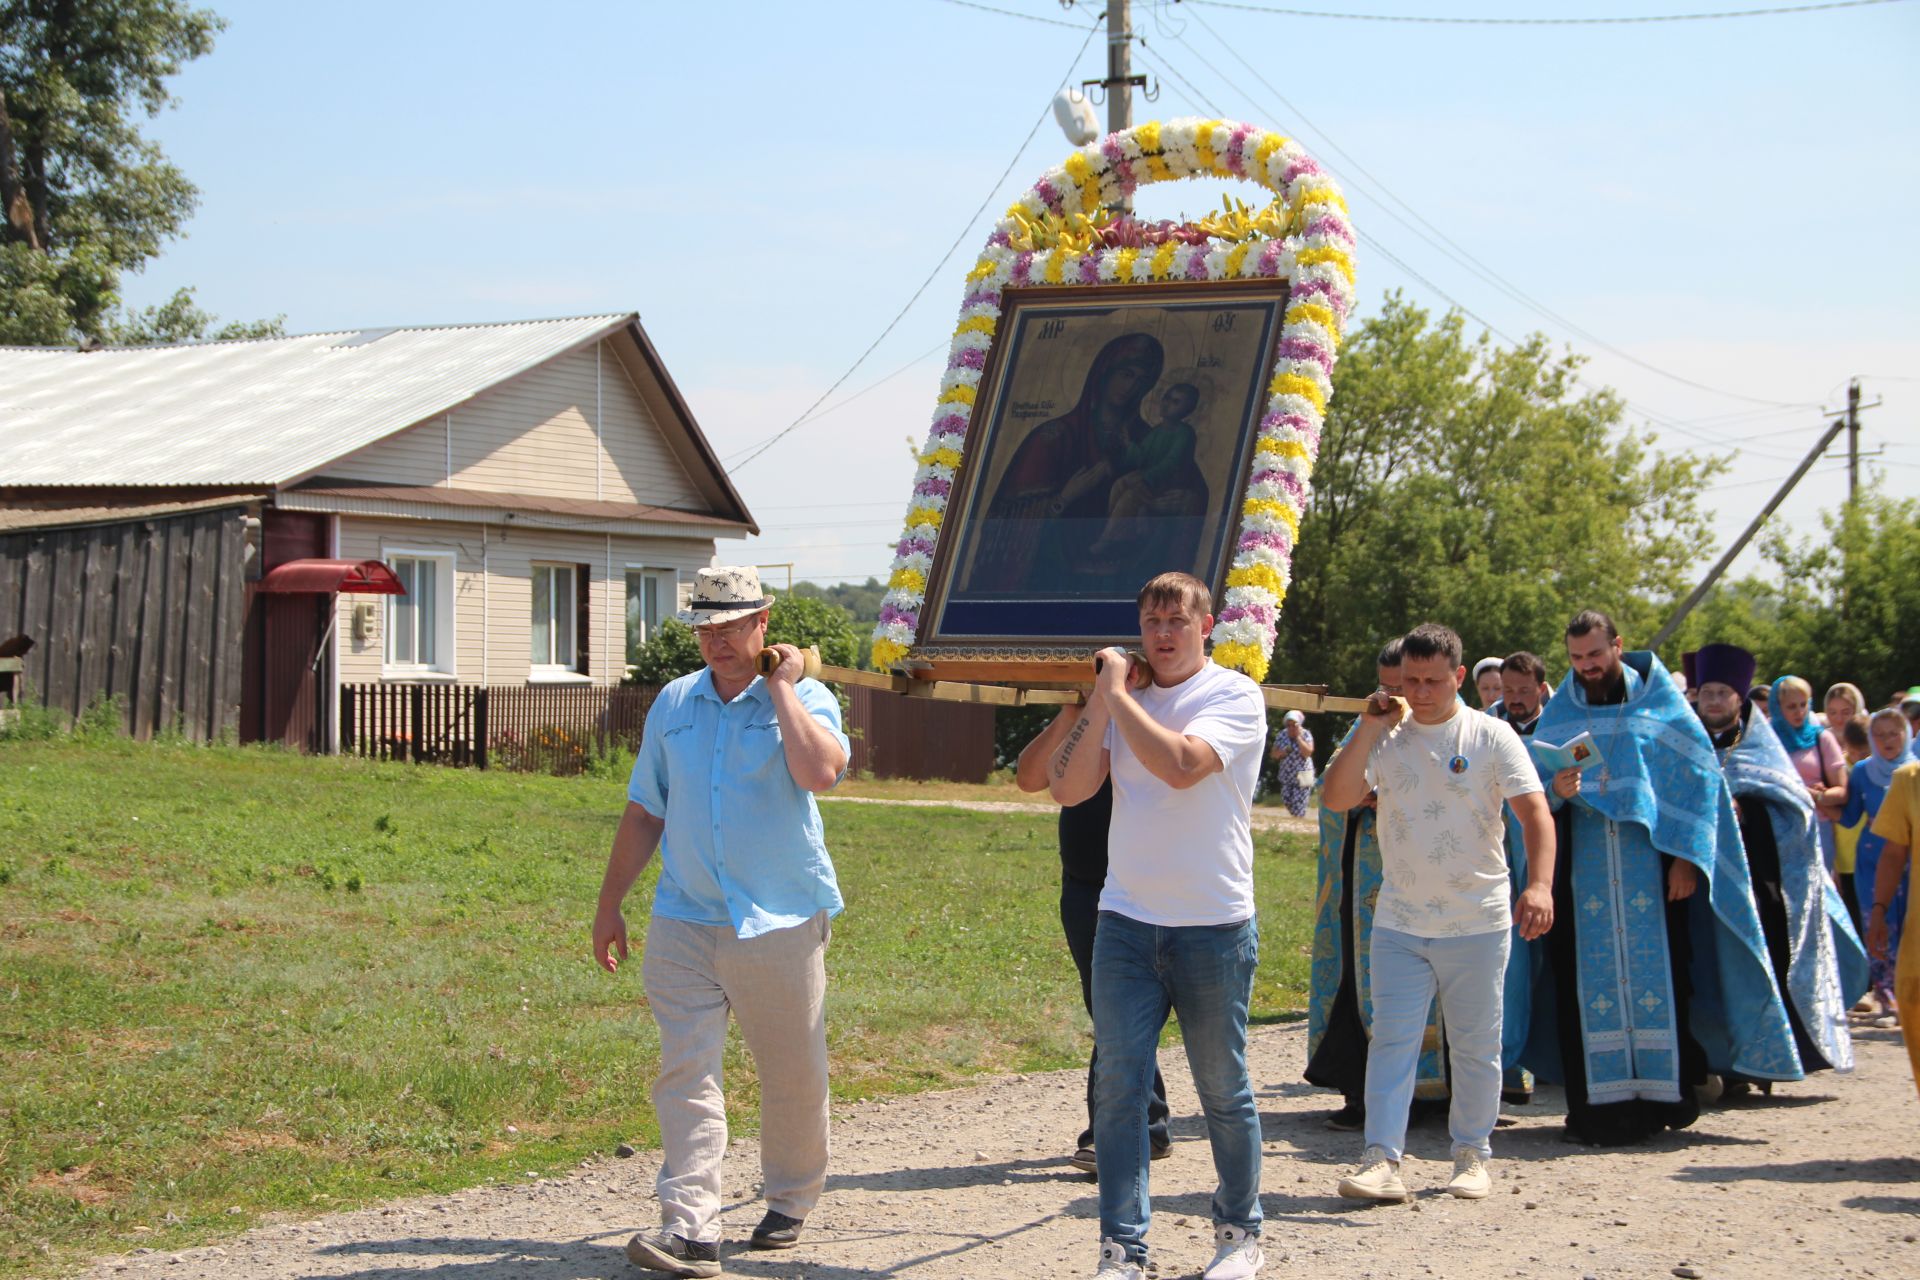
{"x": 1374, "y": 245}
{"x": 837, "y": 405}
{"x": 938, "y": 266}
{"x": 1716, "y": 16}
{"x": 1013, "y": 13}
{"x": 1446, "y": 244}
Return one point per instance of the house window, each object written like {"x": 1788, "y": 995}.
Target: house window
{"x": 419, "y": 630}
{"x": 559, "y": 617}
{"x": 650, "y": 601}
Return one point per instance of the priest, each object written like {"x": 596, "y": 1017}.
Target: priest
{"x": 1655, "y": 971}
{"x": 1818, "y": 961}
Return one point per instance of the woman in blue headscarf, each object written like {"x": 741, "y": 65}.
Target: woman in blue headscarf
{"x": 1867, "y": 788}
{"x": 1814, "y": 751}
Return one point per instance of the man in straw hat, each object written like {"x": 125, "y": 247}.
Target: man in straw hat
{"x": 723, "y": 787}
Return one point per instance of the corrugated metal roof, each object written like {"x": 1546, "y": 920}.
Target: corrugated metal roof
{"x": 258, "y": 412}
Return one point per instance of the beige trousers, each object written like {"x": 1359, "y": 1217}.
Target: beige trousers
{"x": 776, "y": 986}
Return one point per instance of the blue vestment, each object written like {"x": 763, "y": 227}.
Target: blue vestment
{"x": 1827, "y": 965}
{"x": 1659, "y": 791}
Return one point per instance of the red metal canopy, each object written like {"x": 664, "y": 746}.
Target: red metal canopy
{"x": 355, "y": 577}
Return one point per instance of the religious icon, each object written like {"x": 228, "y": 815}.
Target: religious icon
{"x": 1118, "y": 429}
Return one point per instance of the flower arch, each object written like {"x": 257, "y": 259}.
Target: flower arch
{"x": 1057, "y": 234}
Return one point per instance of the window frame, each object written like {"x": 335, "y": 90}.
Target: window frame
{"x": 576, "y": 614}
{"x": 445, "y": 664}
{"x": 667, "y": 586}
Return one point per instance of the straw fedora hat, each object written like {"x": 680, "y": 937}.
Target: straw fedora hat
{"x": 722, "y": 594}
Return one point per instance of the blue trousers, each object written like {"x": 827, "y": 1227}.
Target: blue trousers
{"x": 1468, "y": 974}
{"x": 1204, "y": 974}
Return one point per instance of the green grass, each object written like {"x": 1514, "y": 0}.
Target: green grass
{"x": 238, "y": 979}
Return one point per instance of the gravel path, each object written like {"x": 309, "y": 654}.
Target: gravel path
{"x": 1817, "y": 1181}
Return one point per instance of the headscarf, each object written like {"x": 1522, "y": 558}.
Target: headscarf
{"x": 1879, "y": 768}
{"x": 1294, "y": 717}
{"x": 1851, "y": 691}
{"x": 1806, "y": 736}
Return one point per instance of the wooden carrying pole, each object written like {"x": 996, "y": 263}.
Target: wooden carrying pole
{"x": 1278, "y": 696}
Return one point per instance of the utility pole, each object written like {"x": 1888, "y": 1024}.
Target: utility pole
{"x": 1746, "y": 535}
{"x": 1119, "y": 81}
{"x": 1853, "y": 439}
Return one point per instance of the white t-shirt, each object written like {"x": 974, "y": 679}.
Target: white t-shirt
{"x": 1182, "y": 858}
{"x": 1442, "y": 837}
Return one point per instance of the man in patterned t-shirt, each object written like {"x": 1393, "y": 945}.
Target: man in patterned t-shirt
{"x": 1442, "y": 922}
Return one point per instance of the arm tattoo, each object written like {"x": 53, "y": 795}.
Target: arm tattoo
{"x": 1066, "y": 751}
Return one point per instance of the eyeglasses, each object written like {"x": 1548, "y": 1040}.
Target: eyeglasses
{"x": 730, "y": 631}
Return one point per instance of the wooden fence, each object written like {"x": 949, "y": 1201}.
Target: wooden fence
{"x": 533, "y": 729}
{"x": 896, "y": 737}
{"x": 148, "y": 611}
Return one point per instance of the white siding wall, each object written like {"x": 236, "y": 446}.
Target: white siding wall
{"x": 492, "y": 631}
{"x": 535, "y": 434}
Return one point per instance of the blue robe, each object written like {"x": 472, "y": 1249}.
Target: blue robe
{"x": 1343, "y": 1066}
{"x": 1660, "y": 792}
{"x": 1827, "y": 965}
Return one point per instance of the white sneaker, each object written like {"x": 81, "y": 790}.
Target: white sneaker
{"x": 1378, "y": 1179}
{"x": 1237, "y": 1257}
{"x": 1115, "y": 1265}
{"x": 1470, "y": 1179}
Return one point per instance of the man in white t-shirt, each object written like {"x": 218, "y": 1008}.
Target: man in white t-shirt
{"x": 1177, "y": 930}
{"x": 1442, "y": 922}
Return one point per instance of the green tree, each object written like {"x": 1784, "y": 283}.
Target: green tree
{"x": 860, "y": 600}
{"x": 1482, "y": 487}
{"x": 84, "y": 197}
{"x": 1849, "y": 602}
{"x": 794, "y": 619}
{"x": 669, "y": 653}
{"x": 672, "y": 652}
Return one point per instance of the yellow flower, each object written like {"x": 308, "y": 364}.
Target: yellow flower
{"x": 1320, "y": 315}
{"x": 1280, "y": 448}
{"x": 977, "y": 324}
{"x": 886, "y": 654}
{"x": 908, "y": 579}
{"x": 959, "y": 395}
{"x": 1163, "y": 260}
{"x": 1257, "y": 575}
{"x": 1292, "y": 384}
{"x": 1338, "y": 257}
{"x": 923, "y": 515}
{"x": 944, "y": 457}
{"x": 1242, "y": 657}
{"x": 1276, "y": 509}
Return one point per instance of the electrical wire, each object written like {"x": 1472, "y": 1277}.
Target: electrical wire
{"x": 937, "y": 267}
{"x": 841, "y": 404}
{"x": 1445, "y": 243}
{"x": 1374, "y": 245}
{"x": 1013, "y": 13}
{"x": 1715, "y": 16}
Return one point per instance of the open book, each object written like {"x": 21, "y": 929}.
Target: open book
{"x": 1580, "y": 753}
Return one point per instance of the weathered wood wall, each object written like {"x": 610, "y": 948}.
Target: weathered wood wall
{"x": 150, "y": 611}
{"x": 898, "y": 737}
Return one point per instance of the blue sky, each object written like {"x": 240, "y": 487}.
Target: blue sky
{"x": 1730, "y": 202}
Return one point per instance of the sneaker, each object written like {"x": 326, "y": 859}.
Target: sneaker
{"x": 1236, "y": 1255}
{"x": 1351, "y": 1118}
{"x": 776, "y": 1231}
{"x": 1084, "y": 1161}
{"x": 1116, "y": 1265}
{"x": 675, "y": 1255}
{"x": 1160, "y": 1151}
{"x": 1378, "y": 1179}
{"x": 1470, "y": 1179}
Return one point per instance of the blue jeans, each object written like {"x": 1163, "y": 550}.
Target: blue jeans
{"x": 1205, "y": 975}
{"x": 1469, "y": 974}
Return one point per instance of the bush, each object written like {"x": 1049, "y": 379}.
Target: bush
{"x": 672, "y": 652}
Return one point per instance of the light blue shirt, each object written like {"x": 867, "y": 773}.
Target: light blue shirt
{"x": 743, "y": 844}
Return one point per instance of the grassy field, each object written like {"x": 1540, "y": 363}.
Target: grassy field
{"x": 240, "y": 982}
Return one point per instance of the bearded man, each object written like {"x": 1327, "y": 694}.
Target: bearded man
{"x": 1818, "y": 960}
{"x": 1655, "y": 970}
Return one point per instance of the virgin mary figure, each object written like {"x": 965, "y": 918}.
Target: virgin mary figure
{"x": 1051, "y": 504}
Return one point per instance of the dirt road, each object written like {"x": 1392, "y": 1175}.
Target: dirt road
{"x": 1821, "y": 1180}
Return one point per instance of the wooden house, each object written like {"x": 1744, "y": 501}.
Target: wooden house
{"x": 509, "y": 504}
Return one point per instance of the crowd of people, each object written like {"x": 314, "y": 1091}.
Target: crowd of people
{"x": 1649, "y": 890}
